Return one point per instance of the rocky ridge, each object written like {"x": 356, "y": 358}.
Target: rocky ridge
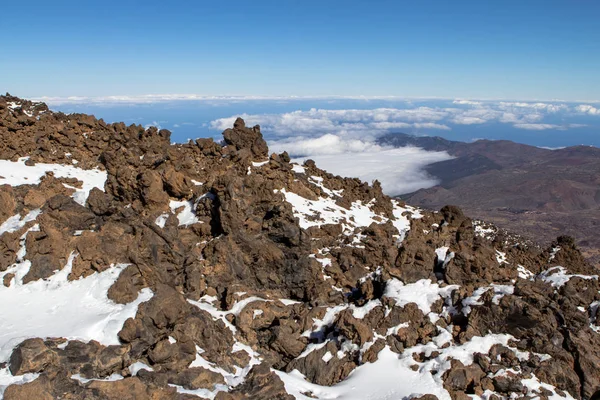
{"x": 133, "y": 268}
{"x": 536, "y": 192}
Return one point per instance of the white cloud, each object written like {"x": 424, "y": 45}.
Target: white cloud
{"x": 350, "y": 122}
{"x": 587, "y": 109}
{"x": 400, "y": 170}
{"x": 430, "y": 125}
{"x": 366, "y": 124}
{"x": 547, "y": 107}
{"x": 155, "y": 124}
{"x": 467, "y": 102}
{"x": 327, "y": 144}
{"x": 466, "y": 120}
{"x": 537, "y": 127}
{"x": 542, "y": 127}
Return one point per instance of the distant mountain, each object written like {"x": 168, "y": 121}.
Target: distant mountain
{"x": 535, "y": 192}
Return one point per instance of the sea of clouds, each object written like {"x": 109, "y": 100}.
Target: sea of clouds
{"x": 344, "y": 141}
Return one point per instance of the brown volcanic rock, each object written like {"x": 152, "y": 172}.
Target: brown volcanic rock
{"x": 31, "y": 356}
{"x": 7, "y": 203}
{"x": 260, "y": 384}
{"x": 246, "y": 138}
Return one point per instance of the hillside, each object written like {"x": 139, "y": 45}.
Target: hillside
{"x": 134, "y": 268}
{"x": 538, "y": 193}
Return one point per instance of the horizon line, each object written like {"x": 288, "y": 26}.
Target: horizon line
{"x": 160, "y": 98}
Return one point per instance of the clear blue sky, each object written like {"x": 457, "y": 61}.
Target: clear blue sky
{"x": 526, "y": 49}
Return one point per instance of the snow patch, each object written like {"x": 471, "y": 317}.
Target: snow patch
{"x": 557, "y": 276}
{"x": 401, "y": 222}
{"x": 15, "y": 222}
{"x": 187, "y": 216}
{"x": 6, "y": 379}
{"x": 161, "y": 220}
{"x": 299, "y": 169}
{"x": 137, "y": 367}
{"x": 16, "y": 173}
{"x": 45, "y": 308}
{"x": 423, "y": 293}
{"x": 326, "y": 211}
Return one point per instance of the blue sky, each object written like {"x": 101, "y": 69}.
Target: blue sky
{"x": 470, "y": 49}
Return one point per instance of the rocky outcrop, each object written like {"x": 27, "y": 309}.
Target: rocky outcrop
{"x": 256, "y": 270}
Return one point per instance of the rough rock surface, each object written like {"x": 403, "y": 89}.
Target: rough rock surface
{"x": 261, "y": 271}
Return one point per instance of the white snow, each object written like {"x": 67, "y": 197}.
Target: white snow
{"x": 137, "y": 367}
{"x": 6, "y": 379}
{"x": 111, "y": 378}
{"x": 501, "y": 257}
{"x": 161, "y": 220}
{"x": 327, "y": 357}
{"x": 328, "y": 318}
{"x": 299, "y": 169}
{"x": 206, "y": 303}
{"x": 441, "y": 253}
{"x": 388, "y": 378}
{"x": 423, "y": 293}
{"x": 187, "y": 216}
{"x": 557, "y": 276}
{"x": 533, "y": 384}
{"x": 259, "y": 164}
{"x": 402, "y": 222}
{"x": 288, "y": 302}
{"x": 415, "y": 212}
{"x": 16, "y": 173}
{"x": 318, "y": 181}
{"x": 325, "y": 262}
{"x": 15, "y": 222}
{"x": 443, "y": 256}
{"x": 232, "y": 379}
{"x": 524, "y": 273}
{"x": 56, "y": 307}
{"x": 312, "y": 347}
{"x": 361, "y": 312}
{"x": 553, "y": 253}
{"x": 487, "y": 232}
{"x": 202, "y": 393}
{"x": 395, "y": 329}
{"x": 391, "y": 376}
{"x": 475, "y": 299}
{"x": 326, "y": 211}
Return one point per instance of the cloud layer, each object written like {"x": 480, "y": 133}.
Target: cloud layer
{"x": 399, "y": 170}
{"x": 373, "y": 122}
{"x": 343, "y": 141}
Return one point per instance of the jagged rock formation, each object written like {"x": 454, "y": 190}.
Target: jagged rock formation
{"x": 133, "y": 268}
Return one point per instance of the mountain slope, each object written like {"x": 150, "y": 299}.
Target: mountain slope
{"x": 133, "y": 268}
{"x": 538, "y": 193}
